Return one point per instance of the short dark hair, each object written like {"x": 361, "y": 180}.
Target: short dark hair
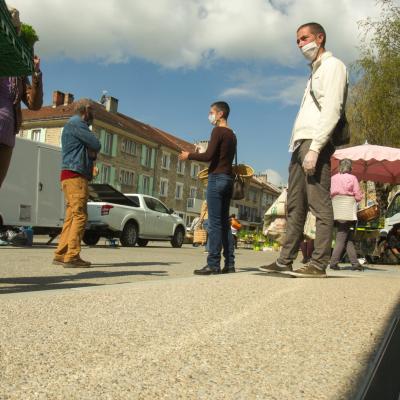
{"x": 315, "y": 28}
{"x": 222, "y": 106}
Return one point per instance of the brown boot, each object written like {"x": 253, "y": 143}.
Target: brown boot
{"x": 77, "y": 263}
{"x": 58, "y": 260}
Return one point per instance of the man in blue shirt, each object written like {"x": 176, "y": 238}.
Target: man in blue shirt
{"x": 79, "y": 149}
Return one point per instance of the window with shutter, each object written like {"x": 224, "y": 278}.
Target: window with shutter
{"x": 140, "y": 184}
{"x": 105, "y": 174}
{"x": 153, "y": 158}
{"x": 180, "y": 168}
{"x": 114, "y": 149}
{"x": 112, "y": 176}
{"x": 193, "y": 193}
{"x": 165, "y": 160}
{"x": 163, "y": 187}
{"x": 146, "y": 184}
{"x": 179, "y": 191}
{"x": 102, "y": 140}
{"x": 146, "y": 156}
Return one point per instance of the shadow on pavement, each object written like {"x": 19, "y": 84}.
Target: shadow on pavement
{"x": 380, "y": 379}
{"x": 273, "y": 275}
{"x": 132, "y": 264}
{"x": 366, "y": 268}
{"x": 34, "y": 247}
{"x": 280, "y": 275}
{"x": 106, "y": 246}
{"x": 37, "y": 283}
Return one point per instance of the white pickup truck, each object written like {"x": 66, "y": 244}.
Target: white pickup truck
{"x": 133, "y": 218}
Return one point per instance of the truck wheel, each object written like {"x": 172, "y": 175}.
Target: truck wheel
{"x": 91, "y": 238}
{"x": 129, "y": 235}
{"x": 179, "y": 237}
{"x": 142, "y": 242}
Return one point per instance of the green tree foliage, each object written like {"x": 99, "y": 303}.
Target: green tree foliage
{"x": 29, "y": 35}
{"x": 374, "y": 100}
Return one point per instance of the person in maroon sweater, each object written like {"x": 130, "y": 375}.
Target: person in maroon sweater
{"x": 220, "y": 153}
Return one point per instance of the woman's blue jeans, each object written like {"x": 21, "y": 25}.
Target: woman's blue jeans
{"x": 219, "y": 193}
{"x": 205, "y": 226}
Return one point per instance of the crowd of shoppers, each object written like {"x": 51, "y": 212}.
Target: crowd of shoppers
{"x": 310, "y": 188}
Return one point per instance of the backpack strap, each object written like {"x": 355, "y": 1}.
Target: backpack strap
{"x": 313, "y": 95}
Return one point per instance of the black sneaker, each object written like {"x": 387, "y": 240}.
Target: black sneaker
{"x": 309, "y": 271}
{"x": 207, "y": 271}
{"x": 228, "y": 269}
{"x": 334, "y": 267}
{"x": 357, "y": 267}
{"x": 275, "y": 267}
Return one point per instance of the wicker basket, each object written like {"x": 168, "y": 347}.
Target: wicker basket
{"x": 243, "y": 170}
{"x": 368, "y": 214}
{"x": 203, "y": 174}
{"x": 200, "y": 236}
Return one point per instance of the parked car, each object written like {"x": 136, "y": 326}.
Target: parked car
{"x": 392, "y": 215}
{"x": 133, "y": 218}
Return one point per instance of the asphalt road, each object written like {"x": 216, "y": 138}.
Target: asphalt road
{"x": 139, "y": 325}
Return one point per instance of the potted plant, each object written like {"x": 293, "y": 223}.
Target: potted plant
{"x": 29, "y": 35}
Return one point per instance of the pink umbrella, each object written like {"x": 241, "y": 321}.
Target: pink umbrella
{"x": 371, "y": 162}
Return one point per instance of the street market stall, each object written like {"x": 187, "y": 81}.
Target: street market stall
{"x": 16, "y": 57}
{"x": 370, "y": 163}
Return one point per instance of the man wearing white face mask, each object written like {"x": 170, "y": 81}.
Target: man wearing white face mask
{"x": 220, "y": 153}
{"x": 311, "y": 146}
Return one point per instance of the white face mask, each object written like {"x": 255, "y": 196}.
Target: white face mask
{"x": 310, "y": 51}
{"x": 211, "y": 118}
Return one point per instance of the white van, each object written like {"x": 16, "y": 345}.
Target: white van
{"x": 31, "y": 194}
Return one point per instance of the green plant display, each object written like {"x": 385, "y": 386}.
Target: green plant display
{"x": 29, "y": 35}
{"x": 257, "y": 240}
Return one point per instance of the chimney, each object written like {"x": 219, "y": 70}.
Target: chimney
{"x": 58, "y": 98}
{"x": 111, "y": 104}
{"x": 263, "y": 177}
{"x": 68, "y": 99}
